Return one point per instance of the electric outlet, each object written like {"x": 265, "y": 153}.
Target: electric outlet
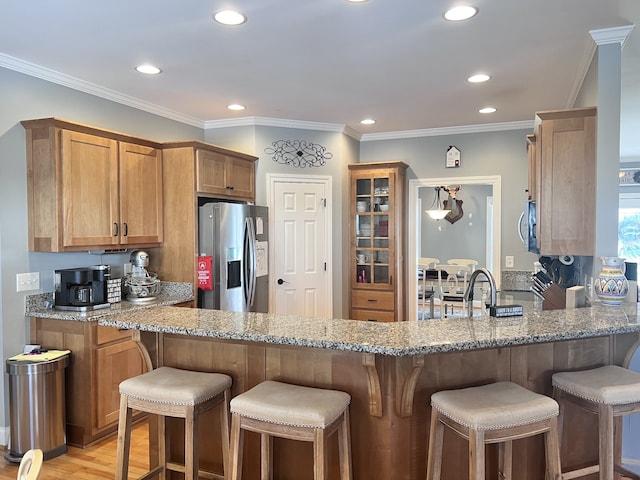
{"x": 27, "y": 281}
{"x": 508, "y": 261}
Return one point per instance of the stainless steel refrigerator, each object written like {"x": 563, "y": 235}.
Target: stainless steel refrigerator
{"x": 233, "y": 271}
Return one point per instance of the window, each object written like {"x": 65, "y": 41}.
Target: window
{"x": 629, "y": 233}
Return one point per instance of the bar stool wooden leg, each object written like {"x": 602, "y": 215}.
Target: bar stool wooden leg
{"x": 319, "y": 456}
{"x": 124, "y": 441}
{"x": 236, "y": 446}
{"x": 344, "y": 444}
{"x": 266, "y": 457}
{"x": 436, "y": 439}
{"x": 605, "y": 425}
{"x": 163, "y": 441}
{"x": 190, "y": 447}
{"x": 476, "y": 455}
{"x": 557, "y": 396}
{"x": 505, "y": 459}
{"x": 552, "y": 452}
{"x": 224, "y": 427}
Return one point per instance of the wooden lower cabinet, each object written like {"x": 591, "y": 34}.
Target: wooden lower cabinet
{"x": 389, "y": 401}
{"x": 372, "y": 306}
{"x": 101, "y": 357}
{"x": 372, "y": 315}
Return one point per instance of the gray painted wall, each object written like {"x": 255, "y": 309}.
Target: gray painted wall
{"x": 466, "y": 238}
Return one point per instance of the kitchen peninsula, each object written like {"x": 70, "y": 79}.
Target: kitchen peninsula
{"x": 390, "y": 370}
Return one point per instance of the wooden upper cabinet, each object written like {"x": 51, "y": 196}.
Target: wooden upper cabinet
{"x": 566, "y": 157}
{"x": 141, "y": 194}
{"x": 222, "y": 174}
{"x": 90, "y": 188}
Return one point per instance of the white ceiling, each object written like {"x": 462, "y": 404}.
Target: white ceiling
{"x": 325, "y": 61}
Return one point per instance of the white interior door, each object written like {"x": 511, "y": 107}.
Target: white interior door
{"x": 300, "y": 240}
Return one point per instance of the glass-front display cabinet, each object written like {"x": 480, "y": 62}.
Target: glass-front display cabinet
{"x": 377, "y": 224}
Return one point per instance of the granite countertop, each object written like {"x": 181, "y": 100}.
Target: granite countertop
{"x": 396, "y": 339}
{"x": 171, "y": 293}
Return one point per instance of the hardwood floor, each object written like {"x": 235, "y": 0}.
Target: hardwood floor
{"x": 94, "y": 462}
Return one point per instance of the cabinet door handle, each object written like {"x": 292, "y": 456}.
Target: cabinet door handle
{"x": 371, "y": 320}
{"x": 229, "y": 187}
{"x": 390, "y": 279}
{"x": 126, "y": 229}
{"x": 115, "y": 229}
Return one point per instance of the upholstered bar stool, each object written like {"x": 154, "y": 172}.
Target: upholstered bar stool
{"x": 276, "y": 409}
{"x": 494, "y": 413}
{"x": 608, "y": 392}
{"x": 172, "y": 392}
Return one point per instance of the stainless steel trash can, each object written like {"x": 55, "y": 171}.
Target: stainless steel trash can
{"x": 37, "y": 407}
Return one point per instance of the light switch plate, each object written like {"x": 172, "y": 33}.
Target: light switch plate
{"x": 27, "y": 281}
{"x": 508, "y": 261}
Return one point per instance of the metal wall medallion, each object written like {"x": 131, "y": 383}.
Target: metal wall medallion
{"x": 299, "y": 153}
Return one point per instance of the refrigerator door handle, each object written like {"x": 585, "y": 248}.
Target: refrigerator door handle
{"x": 250, "y": 262}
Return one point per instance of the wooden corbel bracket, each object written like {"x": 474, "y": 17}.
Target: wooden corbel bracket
{"x": 373, "y": 381}
{"x": 409, "y": 387}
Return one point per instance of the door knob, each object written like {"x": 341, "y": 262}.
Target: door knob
{"x": 281, "y": 281}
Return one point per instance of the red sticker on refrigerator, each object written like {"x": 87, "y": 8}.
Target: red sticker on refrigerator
{"x": 205, "y": 276}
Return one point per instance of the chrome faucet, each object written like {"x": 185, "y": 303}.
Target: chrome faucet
{"x": 468, "y": 295}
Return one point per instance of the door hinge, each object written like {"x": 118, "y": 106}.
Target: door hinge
{"x": 323, "y": 202}
{"x": 325, "y": 266}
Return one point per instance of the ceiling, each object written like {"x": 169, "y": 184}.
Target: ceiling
{"x": 329, "y": 62}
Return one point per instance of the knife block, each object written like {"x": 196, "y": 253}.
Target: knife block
{"x": 555, "y": 298}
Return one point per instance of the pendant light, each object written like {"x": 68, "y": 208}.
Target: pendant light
{"x": 437, "y": 211}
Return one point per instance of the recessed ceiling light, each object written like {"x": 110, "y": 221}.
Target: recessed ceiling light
{"x": 368, "y": 121}
{"x": 461, "y": 12}
{"x": 356, "y": 1}
{"x": 487, "y": 110}
{"x": 229, "y": 17}
{"x": 148, "y": 69}
{"x": 479, "y": 78}
{"x": 235, "y": 106}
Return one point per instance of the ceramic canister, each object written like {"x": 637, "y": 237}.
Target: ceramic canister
{"x": 610, "y": 284}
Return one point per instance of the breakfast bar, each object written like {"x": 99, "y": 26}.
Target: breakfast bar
{"x": 390, "y": 370}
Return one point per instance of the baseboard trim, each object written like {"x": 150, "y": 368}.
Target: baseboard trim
{"x": 4, "y": 437}
{"x": 631, "y": 461}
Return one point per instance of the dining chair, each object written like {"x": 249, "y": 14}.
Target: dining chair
{"x": 452, "y": 283}
{"x": 429, "y": 262}
{"x": 467, "y": 262}
{"x": 30, "y": 465}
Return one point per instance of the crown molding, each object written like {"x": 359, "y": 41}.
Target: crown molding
{"x": 273, "y": 122}
{"x": 583, "y": 69}
{"x": 604, "y": 36}
{"x": 434, "y": 132}
{"x": 58, "y": 78}
{"x": 282, "y": 123}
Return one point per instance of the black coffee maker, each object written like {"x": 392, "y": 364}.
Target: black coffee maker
{"x": 81, "y": 289}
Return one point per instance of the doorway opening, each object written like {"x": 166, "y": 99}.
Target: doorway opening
{"x": 490, "y": 237}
